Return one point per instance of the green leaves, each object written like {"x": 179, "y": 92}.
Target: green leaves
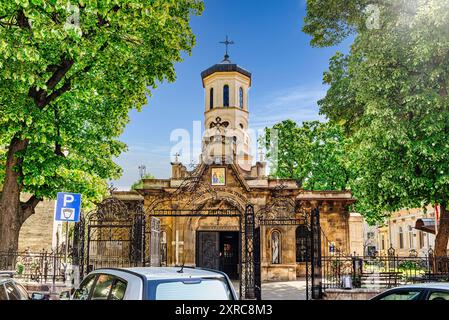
{"x": 391, "y": 95}
{"x": 313, "y": 154}
{"x": 139, "y": 184}
{"x": 68, "y": 82}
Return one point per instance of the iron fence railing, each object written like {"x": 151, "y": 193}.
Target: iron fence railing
{"x": 383, "y": 271}
{"x": 35, "y": 267}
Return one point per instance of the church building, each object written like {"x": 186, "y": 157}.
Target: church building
{"x": 199, "y": 211}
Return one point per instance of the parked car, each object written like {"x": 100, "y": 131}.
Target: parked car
{"x": 154, "y": 284}
{"x": 10, "y": 289}
{"x": 424, "y": 291}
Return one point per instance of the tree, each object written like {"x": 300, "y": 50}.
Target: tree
{"x": 391, "y": 94}
{"x": 139, "y": 184}
{"x": 69, "y": 73}
{"x": 312, "y": 154}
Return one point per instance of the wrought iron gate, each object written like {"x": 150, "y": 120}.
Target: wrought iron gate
{"x": 248, "y": 266}
{"x": 111, "y": 236}
{"x": 120, "y": 235}
{"x": 312, "y": 252}
{"x": 246, "y": 231}
{"x": 314, "y": 278}
{"x": 153, "y": 255}
{"x": 257, "y": 265}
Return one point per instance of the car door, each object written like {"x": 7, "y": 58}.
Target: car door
{"x": 85, "y": 288}
{"x": 102, "y": 287}
{"x": 23, "y": 291}
{"x": 118, "y": 290}
{"x": 14, "y": 293}
{"x": 404, "y": 294}
{"x": 108, "y": 287}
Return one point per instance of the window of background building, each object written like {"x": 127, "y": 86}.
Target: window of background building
{"x": 401, "y": 238}
{"x": 411, "y": 237}
{"x": 421, "y": 239}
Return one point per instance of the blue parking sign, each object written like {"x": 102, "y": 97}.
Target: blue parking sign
{"x": 68, "y": 207}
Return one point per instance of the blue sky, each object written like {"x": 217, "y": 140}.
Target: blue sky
{"x": 287, "y": 78}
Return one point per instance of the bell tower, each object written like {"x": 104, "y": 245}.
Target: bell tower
{"x": 226, "y": 114}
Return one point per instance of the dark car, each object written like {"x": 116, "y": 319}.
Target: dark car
{"x": 425, "y": 291}
{"x": 10, "y": 289}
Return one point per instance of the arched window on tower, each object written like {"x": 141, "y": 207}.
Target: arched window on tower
{"x": 241, "y": 98}
{"x": 275, "y": 247}
{"x": 211, "y": 97}
{"x": 226, "y": 96}
{"x": 303, "y": 246}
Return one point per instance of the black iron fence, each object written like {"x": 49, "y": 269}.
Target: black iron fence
{"x": 35, "y": 267}
{"x": 381, "y": 271}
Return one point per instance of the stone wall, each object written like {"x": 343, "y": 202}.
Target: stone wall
{"x": 37, "y": 232}
{"x": 356, "y": 294}
{"x": 356, "y": 234}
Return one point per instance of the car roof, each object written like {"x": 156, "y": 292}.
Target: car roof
{"x": 431, "y": 285}
{"x": 167, "y": 273}
{"x": 4, "y": 280}
{"x": 6, "y": 275}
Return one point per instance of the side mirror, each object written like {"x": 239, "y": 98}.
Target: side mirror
{"x": 38, "y": 296}
{"x": 65, "y": 295}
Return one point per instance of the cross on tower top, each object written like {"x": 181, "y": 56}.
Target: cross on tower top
{"x": 227, "y": 43}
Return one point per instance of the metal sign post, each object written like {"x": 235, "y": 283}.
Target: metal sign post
{"x": 67, "y": 209}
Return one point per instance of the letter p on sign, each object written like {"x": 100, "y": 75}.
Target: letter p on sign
{"x": 68, "y": 198}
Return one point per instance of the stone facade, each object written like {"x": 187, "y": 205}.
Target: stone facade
{"x": 36, "y": 233}
{"x": 226, "y": 181}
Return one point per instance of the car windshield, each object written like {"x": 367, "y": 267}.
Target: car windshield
{"x": 190, "y": 289}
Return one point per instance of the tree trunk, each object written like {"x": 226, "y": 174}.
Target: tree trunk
{"x": 11, "y": 213}
{"x": 441, "y": 240}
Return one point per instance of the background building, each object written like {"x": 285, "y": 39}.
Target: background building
{"x": 400, "y": 233}
{"x": 40, "y": 231}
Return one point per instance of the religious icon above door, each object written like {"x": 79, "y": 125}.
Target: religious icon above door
{"x": 218, "y": 176}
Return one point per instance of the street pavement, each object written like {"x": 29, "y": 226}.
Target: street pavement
{"x": 292, "y": 290}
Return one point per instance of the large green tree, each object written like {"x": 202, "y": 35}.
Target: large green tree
{"x": 312, "y": 154}
{"x": 70, "y": 71}
{"x": 391, "y": 94}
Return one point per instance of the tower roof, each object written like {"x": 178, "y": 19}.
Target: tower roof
{"x": 225, "y": 66}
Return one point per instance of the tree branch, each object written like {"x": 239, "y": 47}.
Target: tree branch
{"x": 22, "y": 20}
{"x": 28, "y": 207}
{"x": 60, "y": 72}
